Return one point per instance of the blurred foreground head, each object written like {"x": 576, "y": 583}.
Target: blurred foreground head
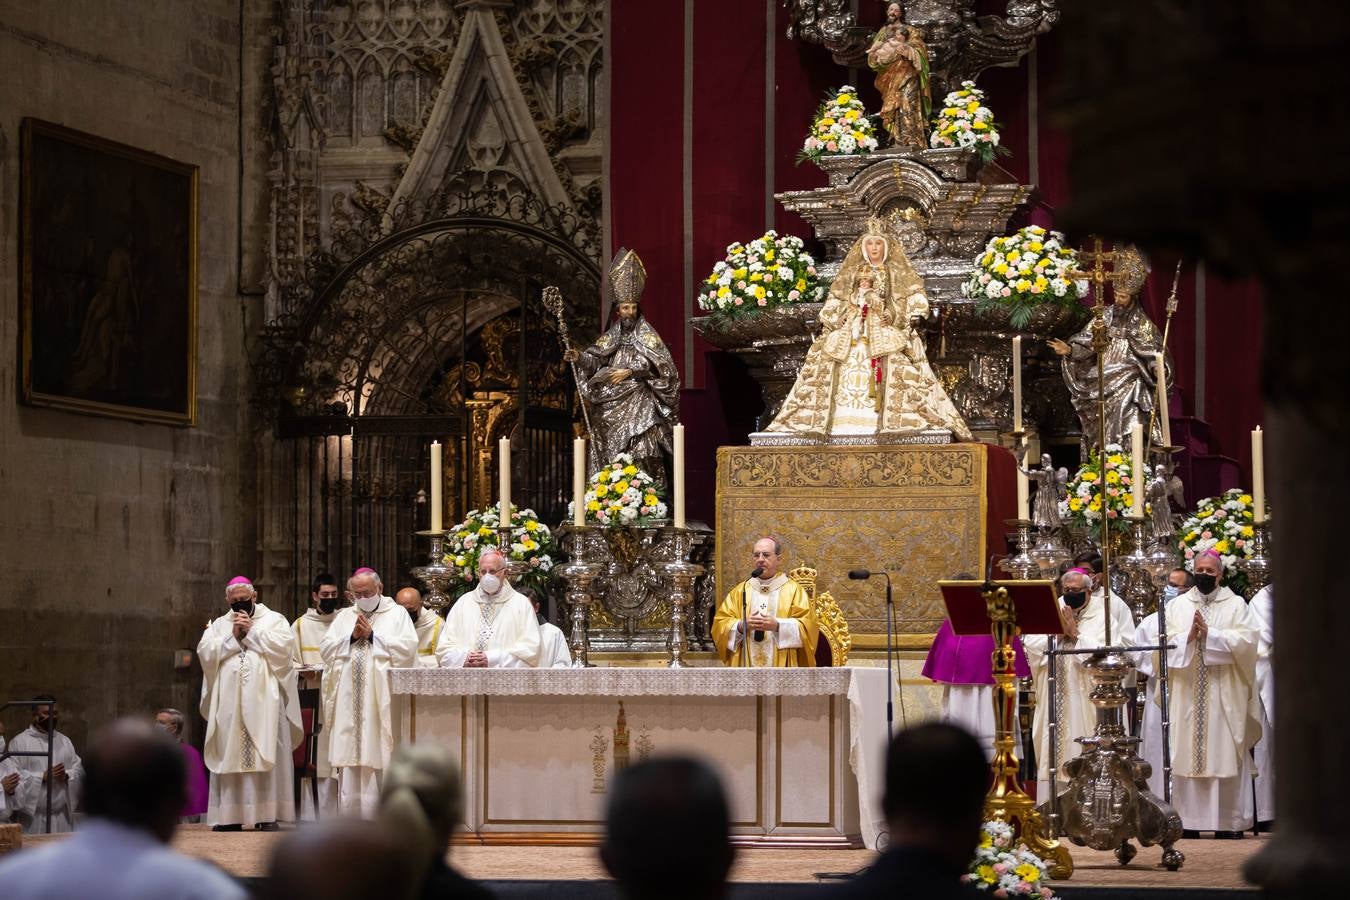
{"x": 134, "y": 775}
{"x": 340, "y": 859}
{"x": 936, "y": 779}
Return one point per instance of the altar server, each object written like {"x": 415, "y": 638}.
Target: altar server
{"x": 553, "y": 649}
{"x": 252, "y": 713}
{"x": 1179, "y": 581}
{"x": 1263, "y": 607}
{"x": 364, "y": 642}
{"x": 29, "y": 800}
{"x": 324, "y": 600}
{"x": 491, "y": 626}
{"x": 1215, "y": 708}
{"x": 1084, "y": 620}
{"x": 773, "y": 608}
{"x": 426, "y": 622}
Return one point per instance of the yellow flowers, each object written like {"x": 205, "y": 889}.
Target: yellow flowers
{"x": 630, "y": 471}
{"x": 1096, "y": 504}
{"x": 723, "y": 292}
{"x": 768, "y": 255}
{"x": 1245, "y": 499}
{"x": 759, "y": 292}
{"x": 1075, "y": 504}
{"x": 801, "y": 284}
{"x": 986, "y": 874}
{"x": 756, "y": 276}
{"x": 594, "y": 505}
{"x": 531, "y": 525}
{"x": 650, "y": 500}
{"x": 972, "y": 106}
{"x": 1023, "y": 284}
{"x": 843, "y": 98}
{"x": 485, "y": 531}
{"x": 826, "y": 122}
{"x": 1221, "y": 547}
{"x": 1247, "y": 531}
{"x": 529, "y": 544}
{"x": 1027, "y": 872}
{"x": 1014, "y": 256}
{"x": 1089, "y": 477}
{"x": 712, "y": 279}
{"x": 1112, "y": 477}
{"x": 851, "y": 115}
{"x": 740, "y": 273}
{"x": 1115, "y": 459}
{"x": 1001, "y": 268}
{"x": 620, "y": 486}
{"x": 980, "y": 126}
{"x": 601, "y": 490}
{"x": 1035, "y": 246}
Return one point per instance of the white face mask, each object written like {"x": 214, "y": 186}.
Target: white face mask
{"x": 490, "y": 584}
{"x": 368, "y": 604}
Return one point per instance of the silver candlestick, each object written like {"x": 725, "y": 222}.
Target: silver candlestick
{"x": 514, "y": 567}
{"x": 1021, "y": 565}
{"x": 579, "y": 574}
{"x": 1049, "y": 552}
{"x": 436, "y": 575}
{"x": 681, "y": 573}
{"x": 1139, "y": 589}
{"x": 1257, "y": 567}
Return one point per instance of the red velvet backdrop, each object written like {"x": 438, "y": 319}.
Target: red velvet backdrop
{"x": 716, "y": 144}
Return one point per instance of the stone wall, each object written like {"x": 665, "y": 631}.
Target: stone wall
{"x": 115, "y": 537}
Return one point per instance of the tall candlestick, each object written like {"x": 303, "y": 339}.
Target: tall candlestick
{"x": 1023, "y": 503}
{"x": 435, "y": 485}
{"x": 1258, "y": 474}
{"x": 1017, "y": 382}
{"x": 1164, "y": 416}
{"x": 678, "y": 437}
{"x": 1137, "y": 470}
{"x": 578, "y": 481}
{"x": 504, "y": 482}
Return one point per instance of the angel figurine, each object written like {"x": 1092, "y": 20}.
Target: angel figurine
{"x": 1051, "y": 487}
{"x": 1160, "y": 502}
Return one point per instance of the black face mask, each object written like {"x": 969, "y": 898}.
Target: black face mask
{"x": 413, "y": 614}
{"x": 327, "y": 604}
{"x": 1206, "y": 583}
{"x": 1075, "y": 599}
{"x": 243, "y": 606}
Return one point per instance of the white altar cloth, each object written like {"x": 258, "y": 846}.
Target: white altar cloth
{"x": 801, "y": 751}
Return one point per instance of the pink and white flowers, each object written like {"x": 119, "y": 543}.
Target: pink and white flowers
{"x": 769, "y": 271}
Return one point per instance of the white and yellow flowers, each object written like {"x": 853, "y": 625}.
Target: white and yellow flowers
{"x": 769, "y": 271}
{"x": 1224, "y": 525}
{"x": 622, "y": 494}
{"x": 1024, "y": 270}
{"x": 842, "y": 127}
{"x": 964, "y": 121}
{"x": 531, "y": 542}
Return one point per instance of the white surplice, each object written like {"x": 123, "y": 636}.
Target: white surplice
{"x": 503, "y": 626}
{"x": 29, "y": 802}
{"x": 358, "y": 709}
{"x": 553, "y": 652}
{"x": 7, "y": 801}
{"x": 1150, "y": 730}
{"x": 1263, "y": 607}
{"x": 1077, "y": 717}
{"x": 971, "y": 706}
{"x": 252, "y": 714}
{"x": 428, "y": 627}
{"x": 1215, "y": 710}
{"x": 309, "y": 631}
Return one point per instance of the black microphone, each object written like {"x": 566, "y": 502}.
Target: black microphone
{"x": 759, "y": 570}
{"x": 859, "y": 574}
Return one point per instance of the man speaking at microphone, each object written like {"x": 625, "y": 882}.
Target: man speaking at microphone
{"x": 773, "y": 610}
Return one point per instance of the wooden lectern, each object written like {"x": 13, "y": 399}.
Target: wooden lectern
{"x": 1007, "y": 609}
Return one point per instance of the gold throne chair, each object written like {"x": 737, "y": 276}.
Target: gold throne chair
{"x": 829, "y": 618}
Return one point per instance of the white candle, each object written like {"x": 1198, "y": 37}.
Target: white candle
{"x": 1137, "y": 470}
{"x": 679, "y": 476}
{"x": 578, "y": 481}
{"x": 1164, "y": 416}
{"x": 504, "y": 481}
{"x": 1023, "y": 504}
{"x": 435, "y": 485}
{"x": 1017, "y": 382}
{"x": 1258, "y": 475}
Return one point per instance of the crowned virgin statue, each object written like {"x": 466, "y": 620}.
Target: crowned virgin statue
{"x": 866, "y": 379}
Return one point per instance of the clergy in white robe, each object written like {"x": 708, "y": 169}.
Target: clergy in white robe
{"x": 426, "y": 622}
{"x": 1179, "y": 581}
{"x": 325, "y": 598}
{"x": 492, "y": 626}
{"x": 9, "y": 784}
{"x": 1263, "y": 607}
{"x": 554, "y": 652}
{"x": 252, "y": 713}
{"x": 28, "y": 804}
{"x": 1215, "y": 709}
{"x": 364, "y": 642}
{"x": 769, "y": 609}
{"x": 1084, "y": 619}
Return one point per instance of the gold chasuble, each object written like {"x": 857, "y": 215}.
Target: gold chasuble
{"x": 795, "y": 642}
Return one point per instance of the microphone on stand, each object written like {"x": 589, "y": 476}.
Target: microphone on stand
{"x": 864, "y": 575}
{"x": 759, "y": 570}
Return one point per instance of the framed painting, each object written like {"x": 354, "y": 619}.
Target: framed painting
{"x": 108, "y": 278}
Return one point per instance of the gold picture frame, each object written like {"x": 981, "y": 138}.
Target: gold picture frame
{"x": 108, "y": 277}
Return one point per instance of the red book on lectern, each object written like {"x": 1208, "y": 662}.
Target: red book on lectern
{"x": 1035, "y": 602}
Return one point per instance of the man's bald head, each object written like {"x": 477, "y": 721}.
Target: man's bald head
{"x": 134, "y": 774}
{"x": 341, "y": 859}
{"x": 411, "y": 600}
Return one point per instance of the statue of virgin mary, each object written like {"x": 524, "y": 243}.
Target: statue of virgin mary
{"x": 866, "y": 379}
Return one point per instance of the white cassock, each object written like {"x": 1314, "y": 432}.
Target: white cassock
{"x": 1150, "y": 731}
{"x": 7, "y": 801}
{"x": 309, "y": 631}
{"x": 358, "y": 709}
{"x": 553, "y": 650}
{"x": 252, "y": 714}
{"x": 1077, "y": 717}
{"x": 29, "y": 803}
{"x": 503, "y": 626}
{"x": 428, "y": 626}
{"x": 1263, "y": 607}
{"x": 1215, "y": 710}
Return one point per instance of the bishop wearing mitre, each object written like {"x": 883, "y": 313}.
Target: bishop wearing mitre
{"x": 775, "y": 612}
{"x": 365, "y": 641}
{"x": 492, "y": 626}
{"x": 252, "y": 713}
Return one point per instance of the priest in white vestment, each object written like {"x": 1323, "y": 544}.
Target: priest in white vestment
{"x": 28, "y": 803}
{"x": 1179, "y": 581}
{"x": 492, "y": 626}
{"x": 553, "y": 650}
{"x": 1263, "y": 607}
{"x": 1215, "y": 708}
{"x": 364, "y": 642}
{"x": 252, "y": 713}
{"x": 774, "y": 609}
{"x": 9, "y": 782}
{"x": 1084, "y": 619}
{"x": 324, "y": 598}
{"x": 426, "y": 622}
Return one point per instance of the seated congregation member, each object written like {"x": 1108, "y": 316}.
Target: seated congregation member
{"x": 678, "y": 804}
{"x": 28, "y": 802}
{"x": 421, "y": 801}
{"x": 1084, "y": 620}
{"x": 252, "y": 713}
{"x": 775, "y": 612}
{"x": 491, "y": 626}
{"x": 426, "y": 622}
{"x": 553, "y": 649}
{"x": 365, "y": 641}
{"x": 133, "y": 793}
{"x": 325, "y": 598}
{"x": 341, "y": 859}
{"x": 197, "y": 787}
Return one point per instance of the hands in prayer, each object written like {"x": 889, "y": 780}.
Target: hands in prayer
{"x": 58, "y": 772}
{"x": 762, "y": 623}
{"x": 242, "y": 624}
{"x": 476, "y": 659}
{"x": 10, "y": 782}
{"x": 1199, "y": 630}
{"x": 362, "y": 630}
{"x": 1069, "y": 621}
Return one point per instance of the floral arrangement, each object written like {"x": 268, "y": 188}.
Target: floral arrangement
{"x": 1224, "y": 525}
{"x": 769, "y": 271}
{"x": 531, "y": 543}
{"x": 1005, "y": 866}
{"x": 622, "y": 494}
{"x": 1024, "y": 270}
{"x": 964, "y": 121}
{"x": 1083, "y": 506}
{"x": 842, "y": 126}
